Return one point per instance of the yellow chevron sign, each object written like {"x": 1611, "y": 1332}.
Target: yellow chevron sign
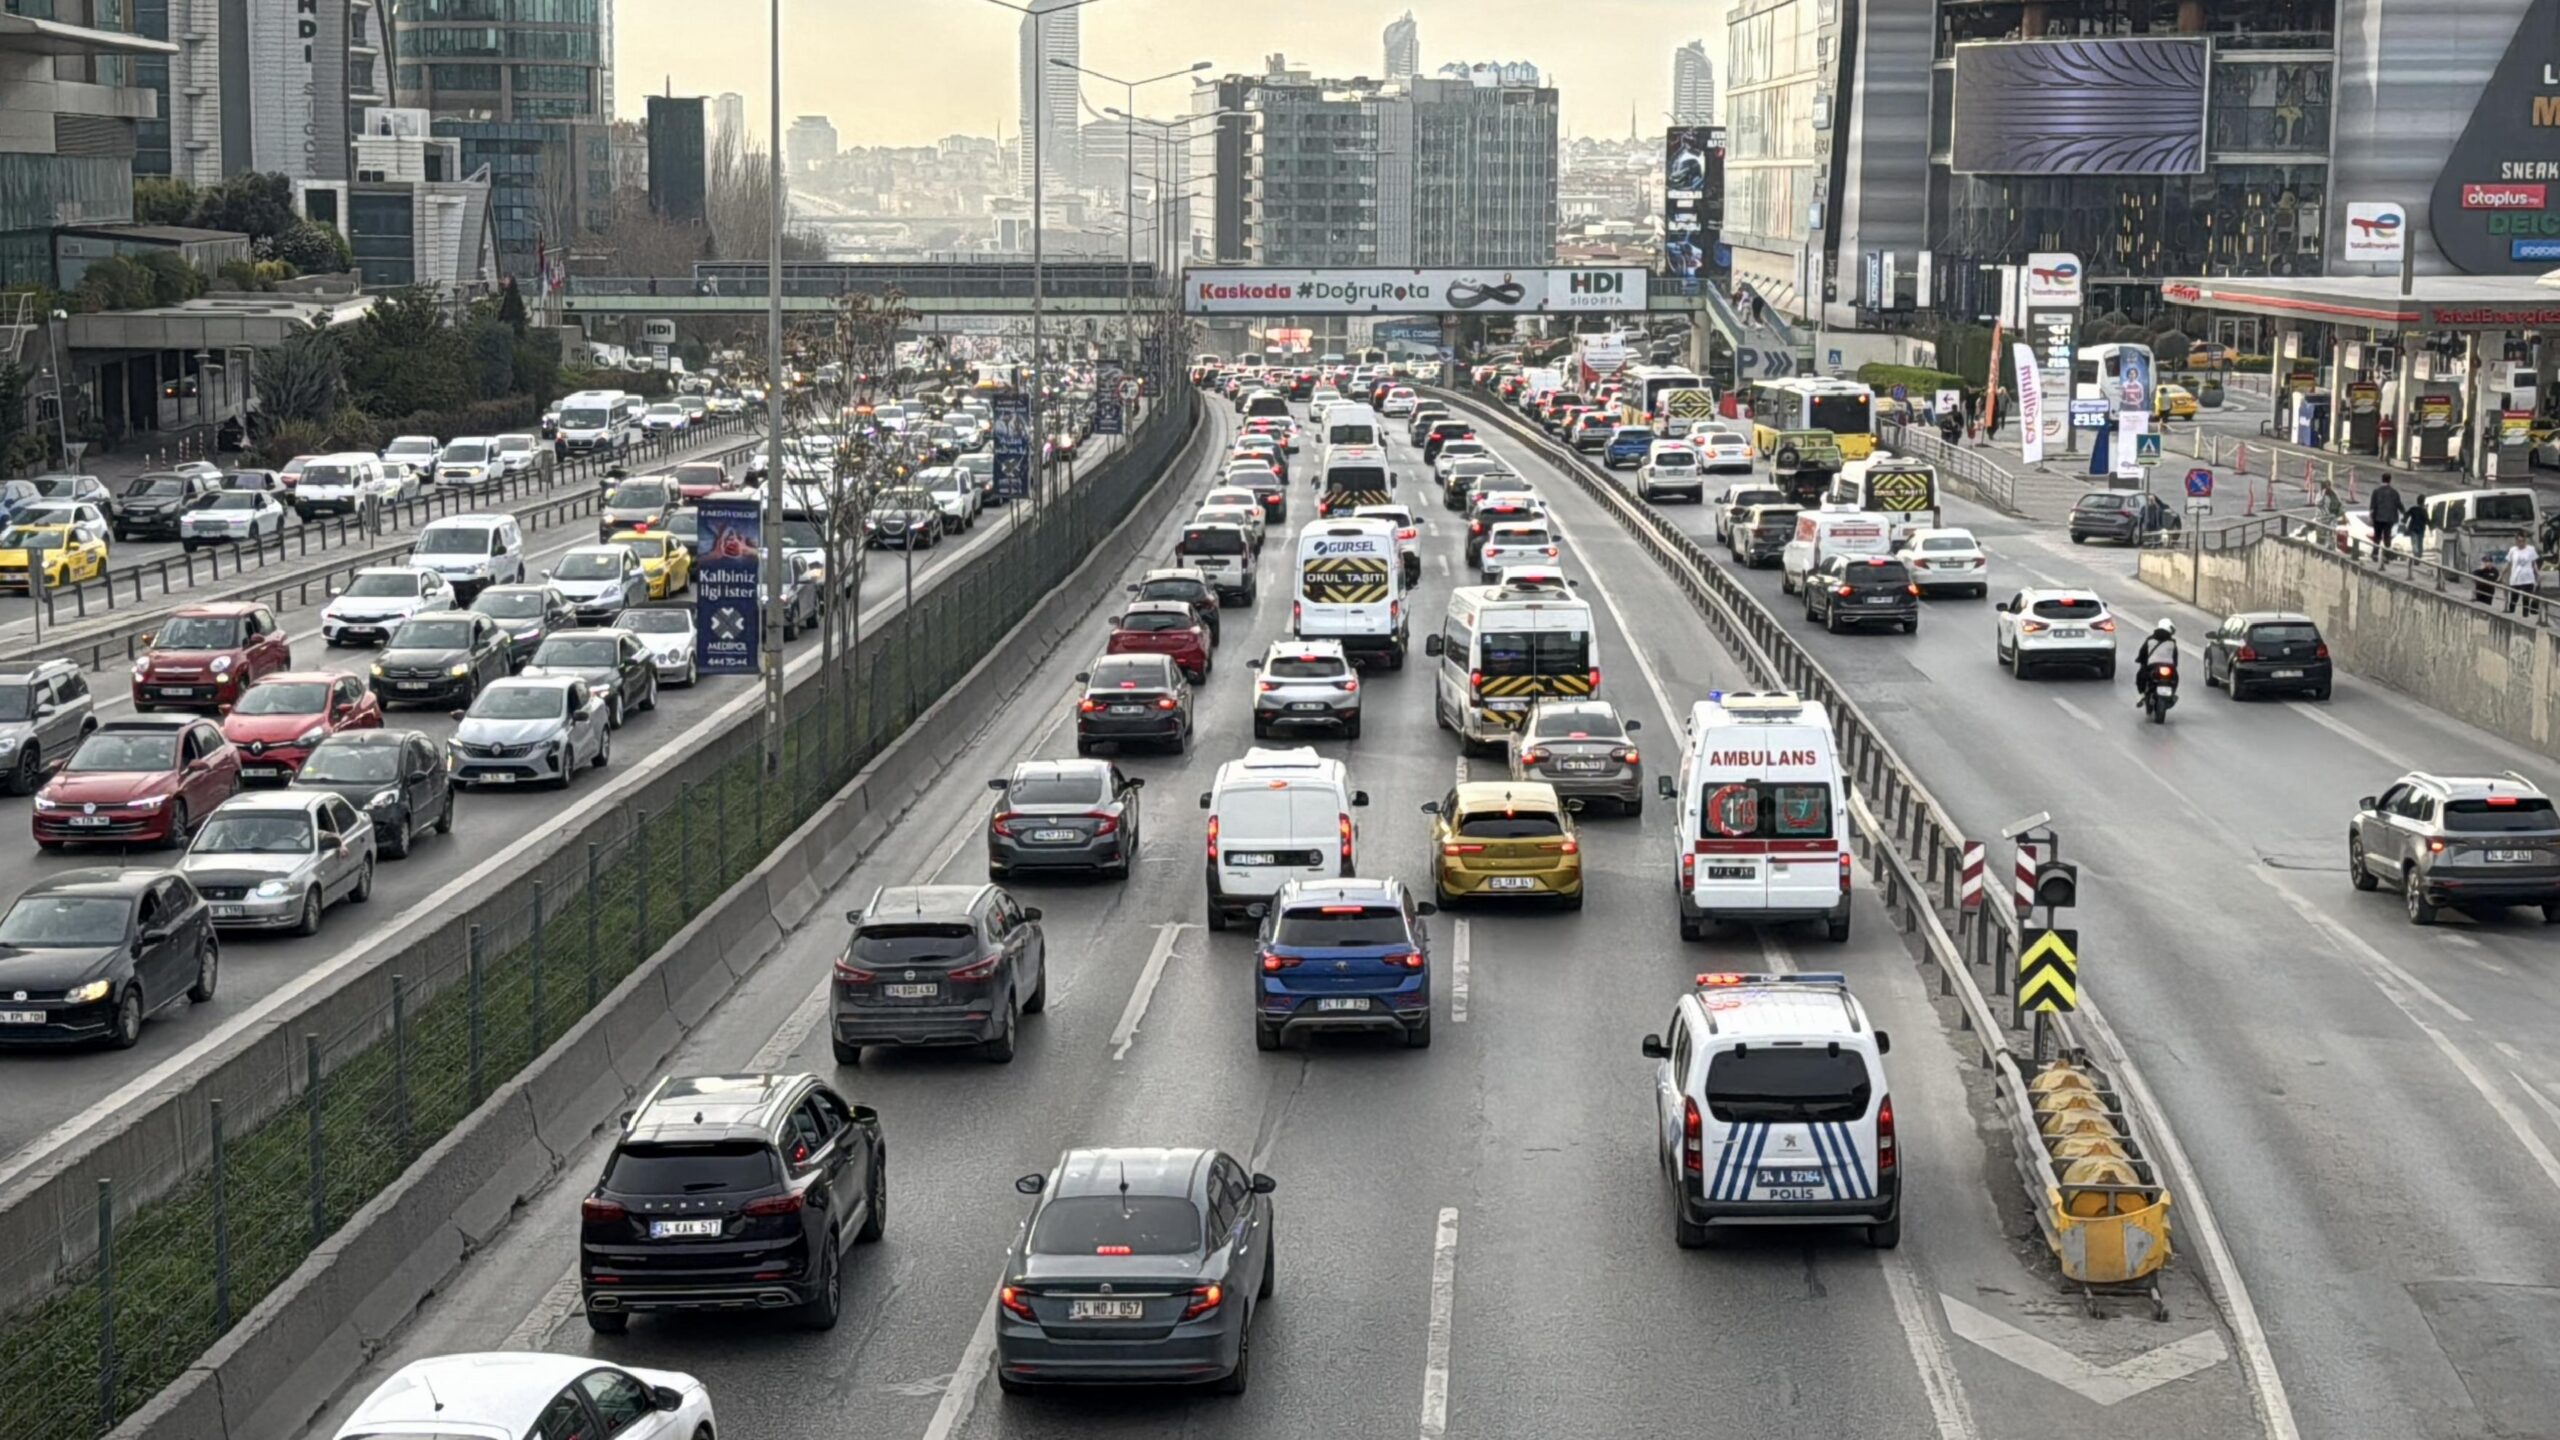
{"x": 1343, "y": 580}
{"x": 1504, "y": 687}
{"x": 2049, "y": 970}
{"x": 1342, "y": 502}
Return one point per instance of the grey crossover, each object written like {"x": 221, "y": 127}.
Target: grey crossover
{"x": 939, "y": 965}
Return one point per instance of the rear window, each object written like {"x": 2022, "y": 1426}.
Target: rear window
{"x": 2508, "y": 815}
{"x": 1888, "y": 573}
{"x": 1510, "y": 825}
{"x": 1764, "y": 811}
{"x": 726, "y": 1167}
{"x": 2082, "y": 609}
{"x": 1212, "y": 540}
{"x": 894, "y": 944}
{"x": 2102, "y": 502}
{"x": 1787, "y": 1083}
{"x": 1057, "y": 790}
{"x": 1118, "y": 1224}
{"x": 1939, "y": 543}
{"x": 2287, "y": 634}
{"x": 2510, "y": 509}
{"x": 1674, "y": 459}
{"x": 1136, "y": 673}
{"x": 1152, "y": 620}
{"x": 1305, "y": 667}
{"x": 1356, "y": 477}
{"x": 1342, "y": 925}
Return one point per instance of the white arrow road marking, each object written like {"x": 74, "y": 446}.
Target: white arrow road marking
{"x": 2100, "y": 1385}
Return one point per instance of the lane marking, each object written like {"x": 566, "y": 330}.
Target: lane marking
{"x": 1940, "y": 1381}
{"x": 960, "y": 1395}
{"x": 1773, "y": 953}
{"x": 1635, "y": 652}
{"x": 1435, "y": 1350}
{"x": 2097, "y": 1384}
{"x": 2076, "y": 713}
{"x": 1459, "y": 959}
{"x": 1125, "y": 1034}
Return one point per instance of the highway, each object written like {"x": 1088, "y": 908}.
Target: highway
{"x": 55, "y": 1095}
{"x": 2373, "y": 1108}
{"x": 1472, "y": 1239}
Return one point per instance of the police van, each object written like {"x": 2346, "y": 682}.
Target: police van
{"x": 1277, "y": 816}
{"x": 1771, "y": 1108}
{"x": 596, "y": 422}
{"x": 1760, "y": 816}
{"x": 1500, "y": 649}
{"x": 1353, "y": 476}
{"x": 1351, "y": 588}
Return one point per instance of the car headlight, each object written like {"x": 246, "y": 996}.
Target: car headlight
{"x": 89, "y": 994}
{"x": 147, "y": 802}
{"x": 220, "y": 664}
{"x": 44, "y": 804}
{"x": 382, "y": 798}
{"x": 141, "y": 669}
{"x": 377, "y": 670}
{"x": 457, "y": 671}
{"x": 270, "y": 889}
{"x": 312, "y": 736}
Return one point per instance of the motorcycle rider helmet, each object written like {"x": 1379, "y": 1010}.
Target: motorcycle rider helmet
{"x": 2165, "y": 630}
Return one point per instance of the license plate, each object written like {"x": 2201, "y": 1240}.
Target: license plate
{"x": 1580, "y": 764}
{"x": 2510, "y": 857}
{"x": 1789, "y": 1177}
{"x": 678, "y": 1229}
{"x": 92, "y": 820}
{"x": 1128, "y": 709}
{"x": 2070, "y": 632}
{"x": 261, "y": 772}
{"x": 2286, "y": 674}
{"x": 1352, "y": 1002}
{"x": 413, "y": 684}
{"x": 911, "y": 992}
{"x": 1306, "y": 705}
{"x": 1879, "y": 599}
{"x": 1730, "y": 872}
{"x": 1512, "y": 882}
{"x": 1506, "y": 704}
{"x": 229, "y": 912}
{"x": 21, "y": 1017}
{"x": 1251, "y": 857}
{"x": 1106, "y": 1310}
{"x": 497, "y": 777}
{"x": 1054, "y": 837}
{"x": 177, "y": 691}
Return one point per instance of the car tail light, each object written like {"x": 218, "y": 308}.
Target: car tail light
{"x": 1627, "y": 755}
{"x": 1914, "y": 589}
{"x": 1016, "y": 1302}
{"x": 1844, "y": 591}
{"x": 1408, "y": 533}
{"x": 2105, "y": 627}
{"x": 1688, "y": 871}
{"x": 1342, "y": 823}
{"x": 1885, "y": 1156}
{"x": 1409, "y": 960}
{"x": 855, "y": 973}
{"x": 1693, "y": 1144}
{"x": 1297, "y": 614}
{"x": 1114, "y": 1250}
{"x": 1454, "y": 848}
{"x": 775, "y": 1205}
{"x": 1003, "y": 823}
{"x": 977, "y": 969}
{"x": 1595, "y": 677}
{"x": 1204, "y": 1298}
{"x": 1534, "y": 755}
{"x": 2033, "y": 627}
{"x": 2247, "y": 653}
{"x": 1475, "y": 527}
{"x": 1088, "y": 705}
{"x": 1213, "y": 839}
{"x": 1564, "y": 847}
{"x": 1844, "y": 872}
{"x": 1164, "y": 702}
{"x": 2320, "y": 651}
{"x": 1103, "y": 824}
{"x": 600, "y": 1212}
{"x": 1274, "y": 964}
{"x": 1475, "y": 679}
{"x": 1350, "y": 686}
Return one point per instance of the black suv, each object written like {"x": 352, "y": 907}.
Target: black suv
{"x": 732, "y": 1192}
{"x": 151, "y": 504}
{"x": 1851, "y": 591}
{"x": 939, "y": 965}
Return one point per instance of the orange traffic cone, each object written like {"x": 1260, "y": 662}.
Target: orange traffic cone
{"x": 2239, "y": 459}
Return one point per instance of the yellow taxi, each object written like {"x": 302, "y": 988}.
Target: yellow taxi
{"x": 1505, "y": 840}
{"x": 2174, "y": 402}
{"x": 66, "y": 560}
{"x": 664, "y": 560}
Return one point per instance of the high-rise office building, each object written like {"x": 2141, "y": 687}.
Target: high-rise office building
{"x": 1693, "y": 85}
{"x": 1052, "y": 32}
{"x": 729, "y": 118}
{"x": 809, "y": 143}
{"x": 1404, "y": 48}
{"x": 676, "y": 149}
{"x": 1484, "y": 172}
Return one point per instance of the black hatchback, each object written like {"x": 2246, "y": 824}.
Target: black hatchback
{"x": 2268, "y": 652}
{"x": 397, "y": 778}
{"x": 85, "y": 955}
{"x": 1851, "y": 592}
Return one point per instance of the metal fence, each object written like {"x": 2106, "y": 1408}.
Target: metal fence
{"x": 295, "y": 1152}
{"x": 1973, "y": 471}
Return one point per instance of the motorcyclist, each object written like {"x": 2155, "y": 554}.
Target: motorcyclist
{"x": 2162, "y": 643}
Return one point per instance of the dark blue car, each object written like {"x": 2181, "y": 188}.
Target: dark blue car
{"x": 1343, "y": 955}
{"x": 1628, "y": 445}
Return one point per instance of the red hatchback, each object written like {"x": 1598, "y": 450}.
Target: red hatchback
{"x": 1163, "y": 627}
{"x": 207, "y": 654}
{"x": 280, "y": 718}
{"x": 141, "y": 781}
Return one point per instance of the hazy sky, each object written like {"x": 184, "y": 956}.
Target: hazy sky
{"x": 905, "y": 72}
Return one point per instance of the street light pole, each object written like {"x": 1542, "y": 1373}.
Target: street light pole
{"x": 1129, "y": 121}
{"x": 771, "y": 531}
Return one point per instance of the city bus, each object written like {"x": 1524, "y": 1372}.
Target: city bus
{"x": 1844, "y": 407}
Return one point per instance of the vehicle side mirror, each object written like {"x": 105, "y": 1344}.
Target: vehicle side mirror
{"x": 1654, "y": 1049}
{"x": 1137, "y": 784}
{"x": 998, "y": 784}
{"x": 1573, "y": 807}
{"x": 1257, "y": 911}
{"x": 665, "y": 1397}
{"x": 1253, "y": 664}
{"x": 1032, "y": 1184}
{"x": 2367, "y": 803}
{"x": 1031, "y": 914}
{"x": 1434, "y": 645}
{"x": 1426, "y": 907}
{"x": 1204, "y": 799}
{"x": 1264, "y": 1184}
{"x": 1884, "y": 1043}
{"x": 1084, "y": 677}
{"x": 1430, "y": 807}
{"x": 2003, "y": 607}
{"x": 1634, "y": 725}
{"x": 459, "y": 714}
{"x": 1662, "y": 787}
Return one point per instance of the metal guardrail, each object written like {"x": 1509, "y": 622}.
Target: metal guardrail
{"x": 1915, "y": 848}
{"x": 2483, "y": 586}
{"x": 1976, "y": 472}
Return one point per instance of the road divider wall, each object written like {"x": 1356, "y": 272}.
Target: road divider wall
{"x": 246, "y": 1237}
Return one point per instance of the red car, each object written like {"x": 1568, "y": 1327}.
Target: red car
{"x": 146, "y": 780}
{"x": 281, "y": 717}
{"x": 697, "y": 478}
{"x": 207, "y": 654}
{"x": 1163, "y": 627}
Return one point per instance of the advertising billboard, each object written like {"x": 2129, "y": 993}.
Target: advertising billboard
{"x": 2131, "y": 106}
{"x": 2490, "y": 210}
{"x": 1013, "y": 445}
{"x": 727, "y": 579}
{"x": 297, "y": 83}
{"x": 1106, "y": 401}
{"x": 2053, "y": 278}
{"x": 1278, "y": 290}
{"x": 1693, "y": 201}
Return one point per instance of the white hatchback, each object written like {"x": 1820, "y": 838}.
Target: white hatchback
{"x": 2054, "y": 629}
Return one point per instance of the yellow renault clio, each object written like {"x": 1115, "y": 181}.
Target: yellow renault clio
{"x": 663, "y": 559}
{"x": 1505, "y": 839}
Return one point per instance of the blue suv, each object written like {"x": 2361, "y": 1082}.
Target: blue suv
{"x": 1628, "y": 445}
{"x": 1343, "y": 955}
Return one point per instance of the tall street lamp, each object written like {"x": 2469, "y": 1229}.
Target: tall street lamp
{"x": 771, "y": 529}
{"x": 1128, "y": 181}
{"x": 1164, "y": 133}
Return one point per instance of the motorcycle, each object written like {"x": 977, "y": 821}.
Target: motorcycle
{"x": 2161, "y": 693}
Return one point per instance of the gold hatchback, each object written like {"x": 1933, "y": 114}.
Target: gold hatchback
{"x": 1505, "y": 839}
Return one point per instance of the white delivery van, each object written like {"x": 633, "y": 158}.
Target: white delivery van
{"x": 1500, "y": 649}
{"x": 1348, "y": 422}
{"x": 1352, "y": 476}
{"x": 1821, "y": 534}
{"x": 598, "y": 422}
{"x": 472, "y": 552}
{"x": 1760, "y": 816}
{"x": 1277, "y": 816}
{"x": 1350, "y": 587}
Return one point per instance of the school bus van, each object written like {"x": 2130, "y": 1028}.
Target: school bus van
{"x": 1500, "y": 648}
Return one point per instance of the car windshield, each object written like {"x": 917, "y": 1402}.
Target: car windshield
{"x": 315, "y": 475}
{"x": 951, "y": 481}
{"x": 665, "y": 408}
{"x": 199, "y": 632}
{"x": 1544, "y": 652}
{"x": 1787, "y": 1084}
{"x": 657, "y": 621}
{"x": 353, "y": 764}
{"x": 509, "y": 604}
{"x": 510, "y": 444}
{"x": 1872, "y": 572}
{"x": 1056, "y": 790}
{"x": 454, "y": 540}
{"x": 284, "y": 697}
{"x": 802, "y": 535}
{"x": 978, "y": 464}
{"x": 637, "y": 495}
{"x": 1117, "y": 1225}
{"x": 2498, "y": 815}
{"x": 1674, "y": 459}
{"x": 521, "y": 702}
{"x": 1342, "y": 925}
{"x": 50, "y": 921}
{"x": 440, "y": 633}
{"x": 701, "y": 474}
{"x": 155, "y": 487}
{"x": 1185, "y": 590}
{"x": 110, "y": 752}
{"x": 578, "y": 650}
{"x": 28, "y": 537}
{"x": 583, "y": 417}
{"x": 2103, "y": 502}
{"x": 17, "y": 702}
{"x": 247, "y": 834}
{"x": 905, "y": 500}
{"x": 1510, "y": 825}
{"x": 411, "y": 445}
{"x": 466, "y": 452}
{"x": 2289, "y": 633}
{"x": 722, "y": 1167}
{"x": 1156, "y": 620}
{"x": 382, "y": 585}
{"x": 893, "y": 944}
{"x": 586, "y": 565}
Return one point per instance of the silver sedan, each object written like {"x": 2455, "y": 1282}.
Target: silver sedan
{"x": 275, "y": 861}
{"x": 1584, "y": 750}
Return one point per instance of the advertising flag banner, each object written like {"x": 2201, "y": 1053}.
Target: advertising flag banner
{"x": 2133, "y": 377}
{"x": 727, "y": 579}
{"x": 1013, "y": 445}
{"x": 2030, "y": 382}
{"x": 1106, "y": 401}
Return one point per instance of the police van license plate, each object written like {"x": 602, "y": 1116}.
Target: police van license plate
{"x": 1349, "y": 1002}
{"x": 1789, "y": 1177}
{"x": 1106, "y": 1310}
{"x": 678, "y": 1229}
{"x": 1512, "y": 882}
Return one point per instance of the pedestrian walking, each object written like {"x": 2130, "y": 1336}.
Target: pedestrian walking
{"x": 2524, "y": 575}
{"x": 2413, "y": 523}
{"x": 2385, "y": 515}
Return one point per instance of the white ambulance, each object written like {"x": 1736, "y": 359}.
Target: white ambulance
{"x": 1771, "y": 1108}
{"x": 1351, "y": 588}
{"x": 1760, "y": 816}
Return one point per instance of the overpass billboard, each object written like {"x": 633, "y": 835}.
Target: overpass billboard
{"x": 1281, "y": 290}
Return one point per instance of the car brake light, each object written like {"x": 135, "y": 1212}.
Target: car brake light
{"x": 1297, "y": 613}
{"x": 595, "y": 1211}
{"x": 1104, "y": 824}
{"x": 1002, "y": 824}
{"x": 1164, "y": 702}
{"x": 1204, "y": 1298}
{"x": 2499, "y": 802}
{"x": 1213, "y": 839}
{"x": 1626, "y": 755}
{"x": 1885, "y": 1156}
{"x": 1264, "y": 687}
{"x": 1088, "y": 705}
{"x": 1914, "y": 589}
{"x": 1595, "y": 677}
{"x": 2435, "y": 847}
{"x": 1551, "y": 552}
{"x": 1688, "y": 871}
{"x": 977, "y": 969}
{"x": 1113, "y": 1250}
{"x": 854, "y": 973}
{"x": 1016, "y": 1303}
{"x": 1567, "y": 847}
{"x": 1456, "y": 849}
{"x": 1410, "y": 960}
{"x": 1408, "y": 533}
{"x": 775, "y": 1205}
{"x": 1343, "y": 824}
{"x": 1534, "y": 755}
{"x": 1476, "y": 528}
{"x": 1843, "y": 590}
{"x": 1274, "y": 964}
{"x": 2247, "y": 653}
{"x": 2320, "y": 651}
{"x": 1844, "y": 872}
{"x": 1475, "y": 679}
{"x": 2033, "y": 627}
{"x": 1693, "y": 1148}
{"x": 2106, "y": 626}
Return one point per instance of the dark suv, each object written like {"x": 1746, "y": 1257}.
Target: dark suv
{"x": 1343, "y": 955}
{"x": 938, "y": 965}
{"x": 2450, "y": 842}
{"x": 732, "y": 1192}
{"x": 1851, "y": 591}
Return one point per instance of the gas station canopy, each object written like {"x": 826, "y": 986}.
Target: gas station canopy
{"x": 2374, "y": 302}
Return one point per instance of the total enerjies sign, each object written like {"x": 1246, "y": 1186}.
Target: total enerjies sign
{"x": 2053, "y": 278}
{"x": 2377, "y": 234}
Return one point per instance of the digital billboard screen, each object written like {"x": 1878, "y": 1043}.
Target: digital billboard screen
{"x": 2080, "y": 107}
{"x": 1692, "y": 199}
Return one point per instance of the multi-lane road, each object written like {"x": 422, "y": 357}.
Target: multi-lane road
{"x": 1471, "y": 1239}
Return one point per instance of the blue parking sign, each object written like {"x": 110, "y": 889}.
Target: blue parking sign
{"x": 2200, "y": 484}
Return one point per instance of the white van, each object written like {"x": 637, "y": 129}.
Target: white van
{"x": 1277, "y": 816}
{"x": 594, "y": 422}
{"x": 1350, "y": 587}
{"x": 1348, "y": 422}
{"x": 472, "y": 552}
{"x": 1821, "y": 534}
{"x": 1500, "y": 649}
{"x": 1760, "y": 816}
{"x": 1901, "y": 489}
{"x": 1224, "y": 552}
{"x": 337, "y": 484}
{"x": 1352, "y": 476}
